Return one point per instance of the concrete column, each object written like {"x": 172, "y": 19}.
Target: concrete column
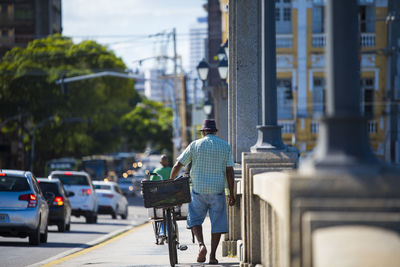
{"x": 244, "y": 74}
{"x": 343, "y": 138}
{"x": 269, "y": 133}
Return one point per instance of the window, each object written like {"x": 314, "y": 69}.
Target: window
{"x": 287, "y": 14}
{"x": 283, "y": 16}
{"x": 366, "y": 16}
{"x": 284, "y": 86}
{"x": 277, "y": 14}
{"x": 318, "y": 17}
{"x": 318, "y": 97}
{"x": 367, "y": 103}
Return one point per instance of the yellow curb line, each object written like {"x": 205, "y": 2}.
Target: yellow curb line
{"x": 87, "y": 250}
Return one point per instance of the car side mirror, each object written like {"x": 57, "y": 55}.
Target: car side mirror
{"x": 70, "y": 194}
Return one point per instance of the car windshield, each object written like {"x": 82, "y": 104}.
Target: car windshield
{"x": 13, "y": 184}
{"x": 72, "y": 179}
{"x": 49, "y": 187}
{"x": 102, "y": 186}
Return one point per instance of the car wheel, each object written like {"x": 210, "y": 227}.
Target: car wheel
{"x": 125, "y": 214}
{"x": 34, "y": 237}
{"x": 43, "y": 237}
{"x": 62, "y": 226}
{"x": 68, "y": 227}
{"x": 91, "y": 218}
{"x": 114, "y": 213}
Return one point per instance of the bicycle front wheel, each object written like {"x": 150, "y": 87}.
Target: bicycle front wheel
{"x": 172, "y": 238}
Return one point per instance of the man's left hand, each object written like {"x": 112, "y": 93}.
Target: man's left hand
{"x": 232, "y": 200}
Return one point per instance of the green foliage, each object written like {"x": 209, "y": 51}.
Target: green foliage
{"x": 148, "y": 122}
{"x": 86, "y": 116}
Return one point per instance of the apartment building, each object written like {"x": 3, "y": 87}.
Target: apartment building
{"x": 22, "y": 21}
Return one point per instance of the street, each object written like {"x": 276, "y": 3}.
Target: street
{"x": 16, "y": 251}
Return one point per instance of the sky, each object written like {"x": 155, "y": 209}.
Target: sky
{"x": 125, "y": 25}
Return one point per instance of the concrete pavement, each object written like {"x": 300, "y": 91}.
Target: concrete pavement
{"x": 136, "y": 247}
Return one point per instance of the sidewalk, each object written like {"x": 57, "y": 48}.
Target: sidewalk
{"x": 137, "y": 248}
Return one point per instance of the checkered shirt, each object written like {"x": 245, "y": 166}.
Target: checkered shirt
{"x": 209, "y": 156}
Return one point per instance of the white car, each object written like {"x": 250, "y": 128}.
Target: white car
{"x": 111, "y": 199}
{"x": 84, "y": 200}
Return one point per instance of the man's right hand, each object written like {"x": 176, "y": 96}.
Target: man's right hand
{"x": 232, "y": 200}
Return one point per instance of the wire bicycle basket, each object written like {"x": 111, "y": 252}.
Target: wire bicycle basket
{"x": 163, "y": 194}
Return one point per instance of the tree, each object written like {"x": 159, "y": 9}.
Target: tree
{"x": 27, "y": 87}
{"x": 148, "y": 123}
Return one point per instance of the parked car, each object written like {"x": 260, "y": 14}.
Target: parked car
{"x": 23, "y": 208}
{"x": 59, "y": 205}
{"x": 84, "y": 201}
{"x": 111, "y": 199}
{"x": 126, "y": 185}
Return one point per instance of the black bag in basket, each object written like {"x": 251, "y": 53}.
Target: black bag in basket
{"x": 161, "y": 194}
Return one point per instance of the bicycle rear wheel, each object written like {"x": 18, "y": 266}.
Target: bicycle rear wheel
{"x": 172, "y": 238}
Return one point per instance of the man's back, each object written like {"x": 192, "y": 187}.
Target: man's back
{"x": 209, "y": 156}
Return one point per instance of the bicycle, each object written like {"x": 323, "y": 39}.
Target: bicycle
{"x": 167, "y": 195}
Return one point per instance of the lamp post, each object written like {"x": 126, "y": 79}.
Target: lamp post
{"x": 202, "y": 69}
{"x": 223, "y": 69}
{"x": 269, "y": 133}
{"x": 221, "y": 54}
{"x": 226, "y": 48}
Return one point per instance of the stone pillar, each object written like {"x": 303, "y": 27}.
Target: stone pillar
{"x": 343, "y": 138}
{"x": 269, "y": 153}
{"x": 244, "y": 74}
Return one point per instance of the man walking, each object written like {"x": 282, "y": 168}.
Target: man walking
{"x": 211, "y": 160}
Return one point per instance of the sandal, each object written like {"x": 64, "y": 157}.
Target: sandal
{"x": 201, "y": 257}
{"x": 213, "y": 261}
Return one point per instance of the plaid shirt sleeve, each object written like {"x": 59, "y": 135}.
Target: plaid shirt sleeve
{"x": 230, "y": 162}
{"x": 186, "y": 157}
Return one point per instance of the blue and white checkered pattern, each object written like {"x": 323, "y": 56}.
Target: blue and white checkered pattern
{"x": 209, "y": 156}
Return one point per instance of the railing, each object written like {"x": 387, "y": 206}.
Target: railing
{"x": 318, "y": 40}
{"x": 367, "y": 40}
{"x": 284, "y": 41}
{"x": 314, "y": 127}
{"x": 287, "y": 126}
{"x": 371, "y": 126}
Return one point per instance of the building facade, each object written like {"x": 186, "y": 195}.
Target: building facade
{"x": 22, "y": 21}
{"x": 301, "y": 83}
{"x": 301, "y": 62}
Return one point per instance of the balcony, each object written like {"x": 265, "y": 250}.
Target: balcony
{"x": 371, "y": 126}
{"x": 284, "y": 41}
{"x": 287, "y": 126}
{"x": 367, "y": 40}
{"x": 314, "y": 127}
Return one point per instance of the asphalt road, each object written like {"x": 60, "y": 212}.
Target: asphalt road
{"x": 16, "y": 251}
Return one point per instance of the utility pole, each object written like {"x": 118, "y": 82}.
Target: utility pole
{"x": 183, "y": 111}
{"x": 391, "y": 154}
{"x": 177, "y": 147}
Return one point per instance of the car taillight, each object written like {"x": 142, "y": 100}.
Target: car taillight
{"x": 58, "y": 201}
{"x": 67, "y": 173}
{"x": 86, "y": 191}
{"x": 108, "y": 195}
{"x": 31, "y": 198}
{"x": 3, "y": 174}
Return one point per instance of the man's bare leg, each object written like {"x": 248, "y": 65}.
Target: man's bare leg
{"x": 214, "y": 244}
{"x": 198, "y": 233}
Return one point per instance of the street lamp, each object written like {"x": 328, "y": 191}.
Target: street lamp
{"x": 207, "y": 108}
{"x": 203, "y": 69}
{"x": 226, "y": 48}
{"x": 221, "y": 53}
{"x": 223, "y": 69}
